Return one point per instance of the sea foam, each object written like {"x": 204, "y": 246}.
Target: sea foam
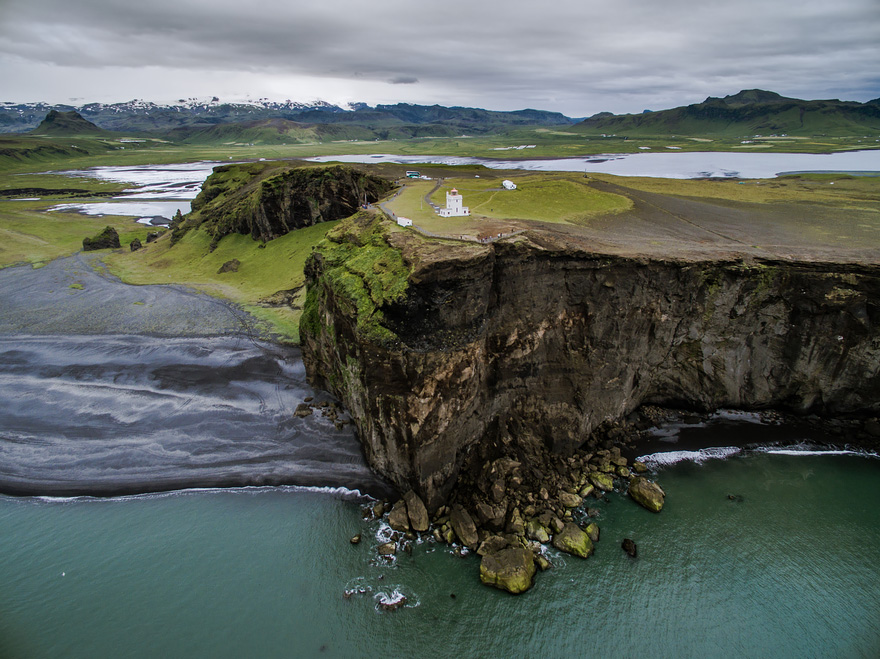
{"x": 666, "y": 458}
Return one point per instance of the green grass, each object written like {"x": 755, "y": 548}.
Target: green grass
{"x": 30, "y": 234}
{"x": 263, "y": 271}
{"x": 566, "y": 198}
{"x": 546, "y": 197}
{"x": 362, "y": 270}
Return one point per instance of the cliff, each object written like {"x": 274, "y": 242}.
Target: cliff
{"x": 269, "y": 199}
{"x": 466, "y": 352}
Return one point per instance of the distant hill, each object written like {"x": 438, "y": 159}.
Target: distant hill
{"x": 141, "y": 116}
{"x": 284, "y": 131}
{"x": 750, "y": 112}
{"x": 66, "y": 124}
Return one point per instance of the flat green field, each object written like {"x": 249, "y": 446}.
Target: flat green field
{"x": 31, "y": 234}
{"x": 545, "y": 197}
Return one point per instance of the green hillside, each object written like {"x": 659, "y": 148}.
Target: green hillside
{"x": 67, "y": 124}
{"x": 750, "y": 112}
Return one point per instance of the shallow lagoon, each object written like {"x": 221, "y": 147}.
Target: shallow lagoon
{"x": 690, "y": 164}
{"x": 162, "y": 190}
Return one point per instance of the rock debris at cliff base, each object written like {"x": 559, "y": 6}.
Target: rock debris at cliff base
{"x": 513, "y": 512}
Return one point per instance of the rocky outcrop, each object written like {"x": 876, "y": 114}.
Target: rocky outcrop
{"x": 107, "y": 239}
{"x": 506, "y": 566}
{"x": 268, "y": 199}
{"x": 573, "y": 540}
{"x": 465, "y": 352}
{"x": 647, "y": 494}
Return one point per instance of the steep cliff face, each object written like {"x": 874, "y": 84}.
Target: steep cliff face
{"x": 267, "y": 200}
{"x": 534, "y": 344}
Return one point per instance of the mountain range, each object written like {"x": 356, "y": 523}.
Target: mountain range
{"x": 750, "y": 112}
{"x": 143, "y": 116}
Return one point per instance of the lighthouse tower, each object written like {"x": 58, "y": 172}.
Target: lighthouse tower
{"x": 454, "y": 207}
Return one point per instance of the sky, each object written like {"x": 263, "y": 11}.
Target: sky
{"x": 577, "y": 57}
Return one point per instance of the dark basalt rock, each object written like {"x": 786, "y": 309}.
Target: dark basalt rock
{"x": 629, "y": 547}
{"x": 135, "y": 245}
{"x": 107, "y": 239}
{"x": 229, "y": 266}
{"x": 508, "y": 349}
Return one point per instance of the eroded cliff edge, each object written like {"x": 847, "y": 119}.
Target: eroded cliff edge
{"x": 449, "y": 354}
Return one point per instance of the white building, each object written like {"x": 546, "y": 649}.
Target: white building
{"x": 508, "y": 185}
{"x": 404, "y": 221}
{"x": 454, "y": 206}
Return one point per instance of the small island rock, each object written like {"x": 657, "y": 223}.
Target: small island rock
{"x": 646, "y": 494}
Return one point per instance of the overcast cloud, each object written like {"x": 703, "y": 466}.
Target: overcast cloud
{"x": 577, "y": 57}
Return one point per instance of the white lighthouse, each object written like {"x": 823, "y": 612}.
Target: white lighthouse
{"x": 454, "y": 206}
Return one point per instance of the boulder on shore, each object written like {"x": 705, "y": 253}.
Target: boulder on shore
{"x": 418, "y": 514}
{"x": 569, "y": 500}
{"x": 646, "y": 494}
{"x": 602, "y": 481}
{"x": 135, "y": 245}
{"x": 510, "y": 568}
{"x": 572, "y": 540}
{"x": 398, "y": 519}
{"x": 107, "y": 239}
{"x": 464, "y": 527}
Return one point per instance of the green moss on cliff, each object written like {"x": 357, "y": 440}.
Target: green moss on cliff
{"x": 362, "y": 272}
{"x": 269, "y": 199}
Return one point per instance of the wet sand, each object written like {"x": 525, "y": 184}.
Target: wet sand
{"x": 113, "y": 389}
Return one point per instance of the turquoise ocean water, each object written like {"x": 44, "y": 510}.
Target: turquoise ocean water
{"x": 788, "y": 568}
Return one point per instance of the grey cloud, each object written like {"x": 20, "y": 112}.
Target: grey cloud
{"x": 586, "y": 55}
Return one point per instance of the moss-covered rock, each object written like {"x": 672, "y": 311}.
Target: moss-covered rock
{"x": 602, "y": 481}
{"x": 269, "y": 199}
{"x": 573, "y": 540}
{"x": 647, "y": 494}
{"x": 511, "y": 569}
{"x": 107, "y": 239}
{"x": 570, "y": 500}
{"x": 537, "y": 531}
